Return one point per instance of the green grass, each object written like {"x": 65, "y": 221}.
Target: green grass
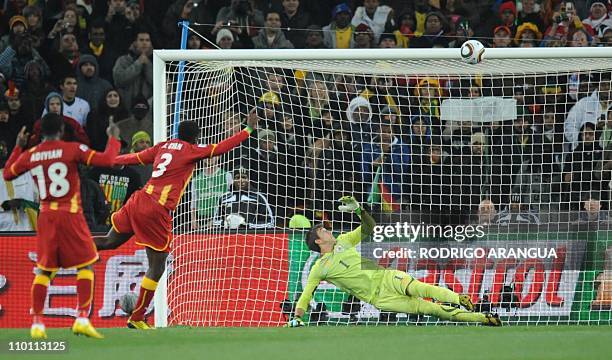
{"x": 314, "y": 343}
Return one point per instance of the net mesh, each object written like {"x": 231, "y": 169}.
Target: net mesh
{"x": 520, "y": 147}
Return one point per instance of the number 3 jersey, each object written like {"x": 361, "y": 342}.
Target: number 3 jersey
{"x": 54, "y": 167}
{"x": 173, "y": 163}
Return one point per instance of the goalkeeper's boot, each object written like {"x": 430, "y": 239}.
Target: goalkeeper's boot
{"x": 82, "y": 326}
{"x": 38, "y": 332}
{"x": 492, "y": 320}
{"x": 139, "y": 324}
{"x": 466, "y": 302}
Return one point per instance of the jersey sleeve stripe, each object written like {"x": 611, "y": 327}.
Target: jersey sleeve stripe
{"x": 139, "y": 159}
{"x": 91, "y": 155}
{"x": 212, "y": 152}
{"x": 13, "y": 170}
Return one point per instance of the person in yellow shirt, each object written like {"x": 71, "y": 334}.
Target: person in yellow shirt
{"x": 339, "y": 33}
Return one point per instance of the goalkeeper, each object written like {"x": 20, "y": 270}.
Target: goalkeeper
{"x": 388, "y": 290}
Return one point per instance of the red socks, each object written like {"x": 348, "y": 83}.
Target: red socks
{"x": 147, "y": 290}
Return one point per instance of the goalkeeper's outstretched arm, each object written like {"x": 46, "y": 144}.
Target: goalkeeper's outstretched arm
{"x": 350, "y": 204}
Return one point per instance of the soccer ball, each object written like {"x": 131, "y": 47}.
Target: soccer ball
{"x": 472, "y": 51}
{"x": 127, "y": 302}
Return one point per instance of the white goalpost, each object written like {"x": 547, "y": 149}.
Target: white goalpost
{"x": 517, "y": 147}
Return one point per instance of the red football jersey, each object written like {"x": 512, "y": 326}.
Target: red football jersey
{"x": 53, "y": 164}
{"x": 173, "y": 163}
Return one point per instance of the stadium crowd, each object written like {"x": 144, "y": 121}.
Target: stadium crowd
{"x": 322, "y": 135}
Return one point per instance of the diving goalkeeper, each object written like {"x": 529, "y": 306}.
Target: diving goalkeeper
{"x": 388, "y": 290}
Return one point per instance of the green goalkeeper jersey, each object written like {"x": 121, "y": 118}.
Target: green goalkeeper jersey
{"x": 346, "y": 269}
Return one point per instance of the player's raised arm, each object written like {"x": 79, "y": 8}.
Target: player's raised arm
{"x": 231, "y": 142}
{"x": 107, "y": 158}
{"x": 349, "y": 204}
{"x": 17, "y": 163}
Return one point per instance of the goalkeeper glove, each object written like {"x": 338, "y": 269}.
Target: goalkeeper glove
{"x": 295, "y": 322}
{"x": 349, "y": 204}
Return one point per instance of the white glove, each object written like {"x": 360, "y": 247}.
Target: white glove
{"x": 349, "y": 204}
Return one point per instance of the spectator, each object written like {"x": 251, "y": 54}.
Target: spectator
{"x": 243, "y": 201}
{"x": 579, "y": 38}
{"x": 73, "y": 106}
{"x": 120, "y": 31}
{"x": 207, "y": 187}
{"x": 518, "y": 211}
{"x": 15, "y": 57}
{"x": 384, "y": 161}
{"x": 502, "y": 37}
{"x": 530, "y": 13}
{"x": 421, "y": 9}
{"x": 18, "y": 26}
{"x": 270, "y": 167}
{"x": 527, "y": 33}
{"x": 141, "y": 120}
{"x": 507, "y": 15}
{"x": 18, "y": 198}
{"x": 359, "y": 114}
{"x": 34, "y": 22}
{"x": 8, "y": 129}
{"x": 383, "y": 91}
{"x": 314, "y": 38}
{"x": 376, "y": 16}
{"x": 192, "y": 11}
{"x": 91, "y": 86}
{"x": 475, "y": 168}
{"x": 591, "y": 211}
{"x": 387, "y": 41}
{"x": 64, "y": 60}
{"x": 586, "y": 110}
{"x": 242, "y": 15}
{"x": 225, "y": 39}
{"x": 94, "y": 204}
{"x": 585, "y": 166}
{"x": 133, "y": 72}
{"x": 19, "y": 115}
{"x": 606, "y": 38}
{"x": 36, "y": 87}
{"x": 363, "y": 37}
{"x": 294, "y": 19}
{"x": 335, "y": 173}
{"x": 435, "y": 32}
{"x": 73, "y": 131}
{"x": 339, "y": 33}
{"x": 428, "y": 93}
{"x": 405, "y": 32}
{"x": 141, "y": 141}
{"x": 463, "y": 33}
{"x": 71, "y": 23}
{"x": 599, "y": 18}
{"x": 111, "y": 108}
{"x": 486, "y": 212}
{"x": 271, "y": 37}
{"x": 564, "y": 21}
{"x": 99, "y": 47}
{"x": 117, "y": 185}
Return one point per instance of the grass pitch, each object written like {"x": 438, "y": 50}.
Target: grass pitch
{"x": 316, "y": 343}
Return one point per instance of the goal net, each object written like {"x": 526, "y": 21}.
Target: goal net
{"x": 490, "y": 179}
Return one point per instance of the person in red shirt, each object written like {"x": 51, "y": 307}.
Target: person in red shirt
{"x": 64, "y": 240}
{"x": 146, "y": 215}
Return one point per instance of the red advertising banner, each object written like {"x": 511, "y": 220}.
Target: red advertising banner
{"x": 117, "y": 272}
{"x": 228, "y": 280}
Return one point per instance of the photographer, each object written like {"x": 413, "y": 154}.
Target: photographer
{"x": 241, "y": 17}
{"x": 194, "y": 11}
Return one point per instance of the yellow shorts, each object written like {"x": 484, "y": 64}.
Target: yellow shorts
{"x": 392, "y": 294}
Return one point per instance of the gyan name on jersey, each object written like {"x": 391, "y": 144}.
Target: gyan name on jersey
{"x": 46, "y": 155}
{"x": 172, "y": 146}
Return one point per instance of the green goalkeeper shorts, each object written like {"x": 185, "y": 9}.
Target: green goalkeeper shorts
{"x": 392, "y": 293}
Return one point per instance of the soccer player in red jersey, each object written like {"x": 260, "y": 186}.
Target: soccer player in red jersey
{"x": 147, "y": 213}
{"x": 64, "y": 240}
